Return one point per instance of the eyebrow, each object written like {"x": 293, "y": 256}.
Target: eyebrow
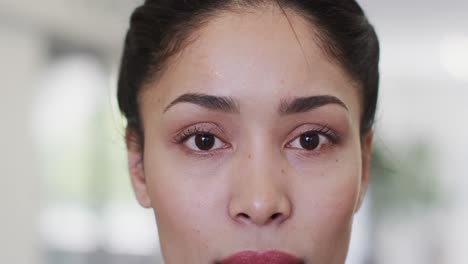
{"x": 304, "y": 104}
{"x": 216, "y": 103}
{"x": 229, "y": 105}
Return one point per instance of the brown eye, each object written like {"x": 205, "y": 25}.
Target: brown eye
{"x": 309, "y": 141}
{"x": 204, "y": 141}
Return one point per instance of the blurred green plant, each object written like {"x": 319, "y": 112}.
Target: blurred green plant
{"x": 403, "y": 178}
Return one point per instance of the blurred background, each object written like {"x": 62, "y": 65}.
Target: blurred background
{"x": 65, "y": 195}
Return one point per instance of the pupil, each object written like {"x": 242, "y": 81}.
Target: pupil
{"x": 309, "y": 141}
{"x": 204, "y": 141}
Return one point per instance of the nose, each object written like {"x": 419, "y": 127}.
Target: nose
{"x": 259, "y": 197}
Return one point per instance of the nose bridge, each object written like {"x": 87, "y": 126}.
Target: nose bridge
{"x": 258, "y": 196}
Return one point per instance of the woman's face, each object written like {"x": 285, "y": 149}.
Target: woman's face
{"x": 252, "y": 142}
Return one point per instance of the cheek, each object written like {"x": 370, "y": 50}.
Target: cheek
{"x": 329, "y": 201}
{"x": 332, "y": 201}
{"x": 185, "y": 196}
{"x": 330, "y": 182}
{"x": 325, "y": 198}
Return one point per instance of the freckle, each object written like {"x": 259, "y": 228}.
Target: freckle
{"x": 282, "y": 171}
{"x": 250, "y": 156}
{"x": 336, "y": 160}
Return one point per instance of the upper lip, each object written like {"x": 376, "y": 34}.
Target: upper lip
{"x": 257, "y": 257}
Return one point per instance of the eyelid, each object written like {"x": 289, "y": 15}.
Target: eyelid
{"x": 205, "y": 127}
{"x": 184, "y": 135}
{"x": 324, "y": 130}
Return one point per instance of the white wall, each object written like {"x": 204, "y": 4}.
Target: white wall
{"x": 22, "y": 57}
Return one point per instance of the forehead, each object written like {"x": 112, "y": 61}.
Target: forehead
{"x": 256, "y": 55}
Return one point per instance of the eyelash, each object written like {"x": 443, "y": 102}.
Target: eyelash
{"x": 191, "y": 131}
{"x": 323, "y": 130}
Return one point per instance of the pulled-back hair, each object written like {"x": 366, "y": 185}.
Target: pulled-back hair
{"x": 160, "y": 28}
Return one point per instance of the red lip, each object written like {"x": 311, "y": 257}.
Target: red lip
{"x": 269, "y": 257}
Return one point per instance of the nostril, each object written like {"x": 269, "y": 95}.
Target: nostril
{"x": 243, "y": 216}
{"x": 275, "y": 216}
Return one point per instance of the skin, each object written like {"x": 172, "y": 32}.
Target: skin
{"x": 258, "y": 189}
